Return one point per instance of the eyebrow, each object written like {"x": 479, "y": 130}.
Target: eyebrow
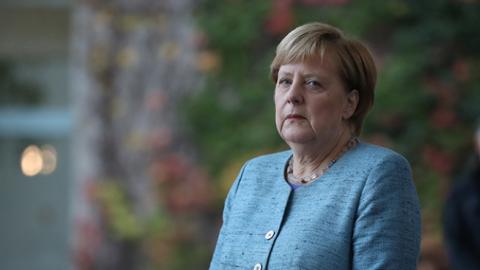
{"x": 284, "y": 73}
{"x": 307, "y": 75}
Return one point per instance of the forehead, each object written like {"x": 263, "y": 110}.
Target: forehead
{"x": 316, "y": 65}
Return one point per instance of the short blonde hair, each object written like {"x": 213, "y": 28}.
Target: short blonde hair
{"x": 355, "y": 62}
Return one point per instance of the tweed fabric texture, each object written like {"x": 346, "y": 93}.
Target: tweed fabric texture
{"x": 363, "y": 213}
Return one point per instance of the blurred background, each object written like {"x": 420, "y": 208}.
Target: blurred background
{"x": 123, "y": 123}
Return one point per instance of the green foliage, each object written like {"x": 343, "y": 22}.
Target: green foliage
{"x": 168, "y": 239}
{"x": 237, "y": 98}
{"x": 122, "y": 222}
{"x": 427, "y": 94}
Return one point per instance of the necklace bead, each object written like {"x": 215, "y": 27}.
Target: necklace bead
{"x": 308, "y": 179}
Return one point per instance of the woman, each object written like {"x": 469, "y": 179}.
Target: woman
{"x": 331, "y": 201}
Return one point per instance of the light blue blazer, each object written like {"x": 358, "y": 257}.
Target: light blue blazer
{"x": 363, "y": 213}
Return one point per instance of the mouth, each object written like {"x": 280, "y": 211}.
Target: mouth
{"x": 295, "y": 117}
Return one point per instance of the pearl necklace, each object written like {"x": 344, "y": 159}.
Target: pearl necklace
{"x": 308, "y": 179}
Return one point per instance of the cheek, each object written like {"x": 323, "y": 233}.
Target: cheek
{"x": 276, "y": 96}
{"x": 326, "y": 111}
{"x": 277, "y": 102}
{"x": 277, "y": 114}
{"x": 278, "y": 109}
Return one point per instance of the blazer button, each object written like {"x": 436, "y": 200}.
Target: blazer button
{"x": 257, "y": 266}
{"x": 269, "y": 235}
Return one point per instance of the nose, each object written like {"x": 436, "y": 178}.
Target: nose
{"x": 295, "y": 94}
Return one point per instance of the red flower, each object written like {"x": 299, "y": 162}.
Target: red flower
{"x": 160, "y": 138}
{"x": 170, "y": 169}
{"x": 325, "y": 2}
{"x": 445, "y": 94}
{"x": 461, "y": 70}
{"x": 443, "y": 118}
{"x": 191, "y": 194}
{"x": 281, "y": 17}
{"x": 438, "y": 160}
{"x": 155, "y": 100}
{"x": 87, "y": 243}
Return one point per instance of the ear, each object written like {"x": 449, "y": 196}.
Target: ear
{"x": 351, "y": 105}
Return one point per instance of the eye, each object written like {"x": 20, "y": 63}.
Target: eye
{"x": 284, "y": 81}
{"x": 313, "y": 84}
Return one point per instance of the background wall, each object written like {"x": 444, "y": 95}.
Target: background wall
{"x": 34, "y": 111}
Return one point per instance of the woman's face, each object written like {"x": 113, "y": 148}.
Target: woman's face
{"x": 311, "y": 102}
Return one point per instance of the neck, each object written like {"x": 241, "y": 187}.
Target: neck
{"x": 308, "y": 159}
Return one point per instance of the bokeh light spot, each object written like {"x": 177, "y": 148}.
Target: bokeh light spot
{"x": 31, "y": 161}
{"x": 37, "y": 160}
{"x": 49, "y": 156}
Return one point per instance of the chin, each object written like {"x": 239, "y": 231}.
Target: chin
{"x": 297, "y": 138}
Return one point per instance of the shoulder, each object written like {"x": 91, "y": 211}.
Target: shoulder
{"x": 371, "y": 156}
{"x": 376, "y": 152}
{"x": 381, "y": 168}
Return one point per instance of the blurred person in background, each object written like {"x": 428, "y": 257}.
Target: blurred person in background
{"x": 331, "y": 201}
{"x": 462, "y": 216}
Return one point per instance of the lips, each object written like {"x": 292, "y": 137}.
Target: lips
{"x": 295, "y": 116}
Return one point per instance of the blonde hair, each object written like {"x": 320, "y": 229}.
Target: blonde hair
{"x": 354, "y": 61}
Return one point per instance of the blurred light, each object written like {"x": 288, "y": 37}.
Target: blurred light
{"x": 35, "y": 160}
{"x": 49, "y": 156}
{"x": 32, "y": 161}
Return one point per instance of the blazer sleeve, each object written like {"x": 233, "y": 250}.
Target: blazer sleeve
{"x": 215, "y": 262}
{"x": 386, "y": 233}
